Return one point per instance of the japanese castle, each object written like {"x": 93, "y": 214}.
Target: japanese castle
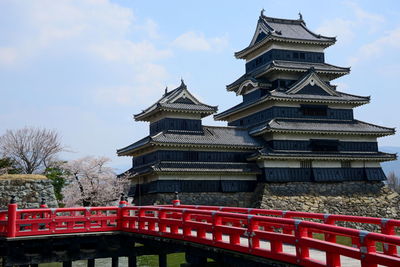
{"x": 291, "y": 126}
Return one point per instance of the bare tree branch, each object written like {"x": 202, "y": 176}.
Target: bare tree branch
{"x": 32, "y": 149}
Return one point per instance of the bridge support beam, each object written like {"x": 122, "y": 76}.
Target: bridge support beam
{"x": 132, "y": 261}
{"x": 90, "y": 263}
{"x": 114, "y": 261}
{"x": 162, "y": 260}
{"x": 195, "y": 259}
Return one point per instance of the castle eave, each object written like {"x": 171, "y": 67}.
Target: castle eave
{"x": 325, "y": 156}
{"x": 248, "y": 50}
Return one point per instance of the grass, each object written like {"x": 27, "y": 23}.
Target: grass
{"x": 173, "y": 260}
{"x": 22, "y": 177}
{"x": 346, "y": 241}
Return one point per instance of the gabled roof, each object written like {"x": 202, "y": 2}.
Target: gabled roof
{"x": 312, "y": 80}
{"x": 177, "y": 100}
{"x": 268, "y": 153}
{"x": 276, "y": 95}
{"x": 289, "y": 66}
{"x": 321, "y": 127}
{"x": 283, "y": 30}
{"x": 213, "y": 136}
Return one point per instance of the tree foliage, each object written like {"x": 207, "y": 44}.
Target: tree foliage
{"x": 32, "y": 149}
{"x": 8, "y": 166}
{"x": 56, "y": 174}
{"x": 89, "y": 182}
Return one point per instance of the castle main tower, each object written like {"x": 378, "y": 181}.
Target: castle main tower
{"x": 290, "y": 101}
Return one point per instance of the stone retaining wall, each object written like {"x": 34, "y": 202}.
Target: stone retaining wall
{"x": 240, "y": 199}
{"x": 28, "y": 192}
{"x": 372, "y": 199}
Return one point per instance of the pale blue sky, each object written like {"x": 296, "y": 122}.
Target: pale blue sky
{"x": 84, "y": 67}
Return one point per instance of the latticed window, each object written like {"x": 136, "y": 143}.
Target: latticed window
{"x": 346, "y": 164}
{"x": 305, "y": 164}
{"x": 309, "y": 110}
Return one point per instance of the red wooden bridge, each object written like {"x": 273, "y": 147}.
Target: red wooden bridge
{"x": 285, "y": 236}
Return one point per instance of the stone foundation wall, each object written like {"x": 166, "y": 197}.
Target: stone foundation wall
{"x": 240, "y": 199}
{"x": 28, "y": 192}
{"x": 372, "y": 199}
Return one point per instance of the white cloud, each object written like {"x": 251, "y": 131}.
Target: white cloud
{"x": 150, "y": 27}
{"x": 8, "y": 56}
{"x": 128, "y": 51}
{"x": 337, "y": 27}
{"x": 391, "y": 40}
{"x": 193, "y": 41}
{"x": 84, "y": 26}
{"x": 345, "y": 29}
{"x": 148, "y": 84}
{"x": 99, "y": 31}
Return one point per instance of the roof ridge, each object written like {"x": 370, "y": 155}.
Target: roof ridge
{"x": 281, "y": 20}
{"x": 375, "y": 125}
{"x": 340, "y": 92}
{"x": 225, "y": 127}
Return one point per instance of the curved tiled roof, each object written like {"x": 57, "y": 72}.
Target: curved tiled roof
{"x": 165, "y": 103}
{"x": 213, "y": 136}
{"x": 287, "y": 30}
{"x": 283, "y": 96}
{"x": 293, "y": 66}
{"x": 304, "y": 155}
{"x": 317, "y": 126}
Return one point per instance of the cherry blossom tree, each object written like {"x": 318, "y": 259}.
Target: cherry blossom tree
{"x": 89, "y": 182}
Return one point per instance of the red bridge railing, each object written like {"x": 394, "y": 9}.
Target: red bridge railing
{"x": 271, "y": 234}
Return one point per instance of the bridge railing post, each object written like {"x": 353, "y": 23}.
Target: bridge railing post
{"x": 388, "y": 229}
{"x": 186, "y": 230}
{"x": 302, "y": 252}
{"x": 12, "y": 218}
{"x": 176, "y": 201}
{"x": 121, "y": 213}
{"x": 216, "y": 221}
{"x": 332, "y": 259}
{"x": 366, "y": 246}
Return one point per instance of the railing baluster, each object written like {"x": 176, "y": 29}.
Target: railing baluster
{"x": 302, "y": 252}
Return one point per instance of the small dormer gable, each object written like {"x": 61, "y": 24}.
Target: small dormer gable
{"x": 311, "y": 84}
{"x": 179, "y": 103}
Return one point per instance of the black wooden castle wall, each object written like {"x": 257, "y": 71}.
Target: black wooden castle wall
{"x": 320, "y": 112}
{"x": 288, "y": 55}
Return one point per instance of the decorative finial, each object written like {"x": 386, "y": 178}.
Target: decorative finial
{"x": 166, "y": 90}
{"x": 43, "y": 201}
{"x": 262, "y": 12}
{"x": 122, "y": 197}
{"x": 300, "y": 16}
{"x": 183, "y": 83}
{"x": 12, "y": 200}
{"x": 176, "y": 195}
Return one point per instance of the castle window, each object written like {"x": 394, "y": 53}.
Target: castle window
{"x": 324, "y": 145}
{"x": 314, "y": 110}
{"x": 295, "y": 55}
{"x": 346, "y": 164}
{"x": 302, "y": 56}
{"x": 305, "y": 164}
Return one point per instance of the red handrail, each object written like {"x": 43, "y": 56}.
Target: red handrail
{"x": 265, "y": 233}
